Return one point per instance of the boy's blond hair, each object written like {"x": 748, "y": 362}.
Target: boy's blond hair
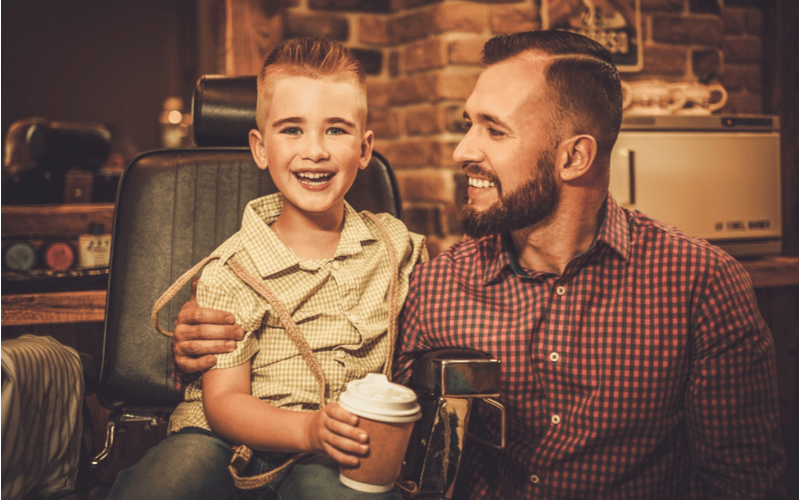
{"x": 312, "y": 57}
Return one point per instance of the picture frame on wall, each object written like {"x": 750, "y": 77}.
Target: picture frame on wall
{"x": 616, "y": 24}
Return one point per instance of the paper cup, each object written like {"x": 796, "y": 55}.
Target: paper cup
{"x": 387, "y": 413}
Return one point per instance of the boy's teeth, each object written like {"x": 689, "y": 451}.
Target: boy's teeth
{"x": 480, "y": 183}
{"x": 313, "y": 177}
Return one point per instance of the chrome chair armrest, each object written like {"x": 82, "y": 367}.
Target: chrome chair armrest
{"x": 448, "y": 383}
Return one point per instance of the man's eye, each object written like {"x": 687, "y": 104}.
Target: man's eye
{"x": 466, "y": 125}
{"x": 495, "y": 133}
{"x": 292, "y": 131}
{"x": 336, "y": 131}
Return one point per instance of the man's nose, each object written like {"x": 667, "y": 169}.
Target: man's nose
{"x": 467, "y": 150}
{"x": 315, "y": 149}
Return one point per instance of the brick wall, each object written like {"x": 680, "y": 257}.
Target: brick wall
{"x": 422, "y": 61}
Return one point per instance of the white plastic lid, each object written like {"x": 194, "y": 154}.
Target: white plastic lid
{"x": 375, "y": 398}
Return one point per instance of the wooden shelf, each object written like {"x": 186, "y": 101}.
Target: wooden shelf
{"x": 54, "y": 221}
{"x": 89, "y": 306}
{"x": 50, "y": 308}
{"x": 67, "y": 221}
{"x": 772, "y": 271}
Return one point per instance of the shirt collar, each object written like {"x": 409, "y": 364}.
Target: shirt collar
{"x": 354, "y": 234}
{"x": 262, "y": 212}
{"x": 497, "y": 252}
{"x": 496, "y": 255}
{"x": 615, "y": 230}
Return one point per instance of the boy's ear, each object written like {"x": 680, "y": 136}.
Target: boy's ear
{"x": 259, "y": 149}
{"x": 367, "y": 143}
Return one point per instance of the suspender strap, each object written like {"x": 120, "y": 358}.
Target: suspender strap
{"x": 394, "y": 292}
{"x": 288, "y": 324}
{"x": 241, "y": 457}
{"x": 174, "y": 289}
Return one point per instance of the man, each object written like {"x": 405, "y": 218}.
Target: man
{"x": 635, "y": 363}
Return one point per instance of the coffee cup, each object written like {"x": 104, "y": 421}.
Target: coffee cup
{"x": 387, "y": 413}
{"x": 702, "y": 99}
{"x": 651, "y": 97}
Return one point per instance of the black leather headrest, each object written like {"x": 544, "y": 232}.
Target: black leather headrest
{"x": 224, "y": 110}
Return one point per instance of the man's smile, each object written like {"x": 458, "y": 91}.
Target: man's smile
{"x": 480, "y": 183}
{"x": 477, "y": 178}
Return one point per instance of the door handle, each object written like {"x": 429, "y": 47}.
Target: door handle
{"x": 632, "y": 176}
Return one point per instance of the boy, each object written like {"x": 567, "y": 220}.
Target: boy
{"x": 325, "y": 263}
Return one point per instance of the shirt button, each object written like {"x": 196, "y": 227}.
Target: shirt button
{"x": 339, "y": 354}
{"x": 336, "y": 264}
{"x": 561, "y": 290}
{"x": 534, "y": 478}
{"x": 555, "y": 419}
{"x": 554, "y": 357}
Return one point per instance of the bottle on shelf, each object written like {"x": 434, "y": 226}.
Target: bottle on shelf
{"x": 175, "y": 125}
{"x": 94, "y": 249}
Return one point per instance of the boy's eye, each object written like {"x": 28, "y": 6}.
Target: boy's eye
{"x": 336, "y": 131}
{"x": 466, "y": 125}
{"x": 291, "y": 131}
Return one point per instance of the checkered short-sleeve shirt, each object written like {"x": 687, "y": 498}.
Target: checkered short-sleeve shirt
{"x": 340, "y": 305}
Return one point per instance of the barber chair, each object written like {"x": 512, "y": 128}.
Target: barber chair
{"x": 174, "y": 207}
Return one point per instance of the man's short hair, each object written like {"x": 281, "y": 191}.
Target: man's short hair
{"x": 312, "y": 57}
{"x": 583, "y": 81}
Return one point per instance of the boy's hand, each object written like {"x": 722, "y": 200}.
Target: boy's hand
{"x": 199, "y": 334}
{"x": 333, "y": 432}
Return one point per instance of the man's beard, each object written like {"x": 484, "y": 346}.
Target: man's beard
{"x": 528, "y": 205}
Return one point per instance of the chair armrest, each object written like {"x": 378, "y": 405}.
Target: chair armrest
{"x": 449, "y": 383}
{"x": 456, "y": 372}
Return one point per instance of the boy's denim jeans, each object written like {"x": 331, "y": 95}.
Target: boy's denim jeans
{"x": 193, "y": 464}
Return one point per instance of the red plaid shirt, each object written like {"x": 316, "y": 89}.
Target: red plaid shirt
{"x": 645, "y": 371}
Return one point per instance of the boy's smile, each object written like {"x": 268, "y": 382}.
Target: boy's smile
{"x": 314, "y": 143}
{"x": 314, "y": 180}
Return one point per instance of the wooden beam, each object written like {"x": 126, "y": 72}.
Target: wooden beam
{"x": 252, "y": 29}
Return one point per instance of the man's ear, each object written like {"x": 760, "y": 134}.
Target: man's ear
{"x": 367, "y": 143}
{"x": 577, "y": 156}
{"x": 258, "y": 148}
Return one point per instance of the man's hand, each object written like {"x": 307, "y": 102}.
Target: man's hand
{"x": 201, "y": 333}
{"x": 333, "y": 432}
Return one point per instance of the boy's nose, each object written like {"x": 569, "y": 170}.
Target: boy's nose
{"x": 315, "y": 149}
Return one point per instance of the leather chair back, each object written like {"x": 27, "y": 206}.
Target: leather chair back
{"x": 174, "y": 207}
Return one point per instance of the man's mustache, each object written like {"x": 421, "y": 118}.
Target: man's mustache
{"x": 476, "y": 171}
